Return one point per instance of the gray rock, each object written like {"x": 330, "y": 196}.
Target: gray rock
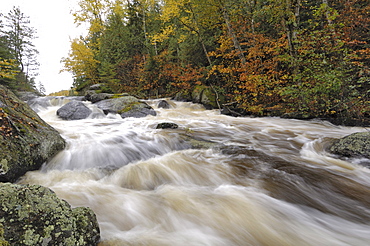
{"x": 88, "y": 94}
{"x": 116, "y": 105}
{"x": 164, "y": 104}
{"x": 26, "y": 141}
{"x": 354, "y": 145}
{"x": 34, "y": 215}
{"x": 94, "y": 98}
{"x": 167, "y": 125}
{"x": 74, "y": 110}
{"x": 139, "y": 111}
{"x": 126, "y": 106}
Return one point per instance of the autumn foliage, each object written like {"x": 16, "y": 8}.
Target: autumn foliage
{"x": 267, "y": 57}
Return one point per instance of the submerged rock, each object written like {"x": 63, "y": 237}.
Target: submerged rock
{"x": 26, "y": 141}
{"x": 354, "y": 145}
{"x": 74, "y": 110}
{"x": 34, "y": 215}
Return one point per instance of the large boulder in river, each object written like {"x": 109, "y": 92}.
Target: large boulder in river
{"x": 354, "y": 145}
{"x": 207, "y": 96}
{"x": 74, "y": 110}
{"x": 126, "y": 106}
{"x": 26, "y": 141}
{"x": 34, "y": 215}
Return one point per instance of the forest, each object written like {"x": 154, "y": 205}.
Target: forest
{"x": 270, "y": 57}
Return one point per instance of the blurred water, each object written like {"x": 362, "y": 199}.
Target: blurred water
{"x": 266, "y": 181}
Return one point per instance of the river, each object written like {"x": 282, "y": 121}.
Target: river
{"x": 264, "y": 181}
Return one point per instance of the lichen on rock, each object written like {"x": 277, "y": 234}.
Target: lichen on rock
{"x": 26, "y": 141}
{"x": 354, "y": 145}
{"x": 34, "y": 215}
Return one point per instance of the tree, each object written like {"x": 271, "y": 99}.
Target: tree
{"x": 81, "y": 62}
{"x": 19, "y": 36}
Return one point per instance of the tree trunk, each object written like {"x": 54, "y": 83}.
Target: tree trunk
{"x": 233, "y": 36}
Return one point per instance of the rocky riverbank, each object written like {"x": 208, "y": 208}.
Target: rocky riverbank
{"x": 34, "y": 215}
{"x": 26, "y": 140}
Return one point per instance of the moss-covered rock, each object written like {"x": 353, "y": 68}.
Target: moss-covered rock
{"x": 126, "y": 106}
{"x": 26, "y": 141}
{"x": 34, "y": 215}
{"x": 207, "y": 96}
{"x": 354, "y": 145}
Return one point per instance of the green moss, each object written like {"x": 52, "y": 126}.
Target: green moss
{"x": 129, "y": 107}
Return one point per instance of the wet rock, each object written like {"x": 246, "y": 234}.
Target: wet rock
{"x": 167, "y": 125}
{"x": 126, "y": 106}
{"x": 138, "y": 111}
{"x": 74, "y": 110}
{"x": 34, "y": 215}
{"x": 26, "y": 141}
{"x": 354, "y": 145}
{"x": 164, "y": 104}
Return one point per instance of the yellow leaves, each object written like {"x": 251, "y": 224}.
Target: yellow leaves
{"x": 7, "y": 69}
{"x": 80, "y": 61}
{"x": 171, "y": 9}
{"x": 89, "y": 10}
{"x": 164, "y": 35}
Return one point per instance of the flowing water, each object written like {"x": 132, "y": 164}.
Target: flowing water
{"x": 263, "y": 181}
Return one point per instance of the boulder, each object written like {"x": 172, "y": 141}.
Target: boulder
{"x": 138, "y": 111}
{"x": 163, "y": 104}
{"x": 207, "y": 97}
{"x": 354, "y": 145}
{"x": 126, "y": 106}
{"x": 89, "y": 94}
{"x": 34, "y": 215}
{"x": 167, "y": 125}
{"x": 100, "y": 97}
{"x": 94, "y": 97}
{"x": 26, "y": 141}
{"x": 74, "y": 110}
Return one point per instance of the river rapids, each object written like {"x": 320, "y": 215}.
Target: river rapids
{"x": 263, "y": 181}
